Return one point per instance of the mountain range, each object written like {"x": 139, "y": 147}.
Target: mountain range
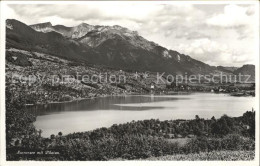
{"x": 111, "y": 46}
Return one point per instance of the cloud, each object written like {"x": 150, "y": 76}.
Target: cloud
{"x": 193, "y": 35}
{"x": 210, "y": 33}
{"x": 233, "y": 16}
{"x": 240, "y": 18}
{"x": 216, "y": 53}
{"x": 143, "y": 13}
{"x": 147, "y": 19}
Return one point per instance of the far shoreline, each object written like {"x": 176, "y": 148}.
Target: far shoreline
{"x": 133, "y": 94}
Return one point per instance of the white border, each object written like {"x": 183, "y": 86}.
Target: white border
{"x": 152, "y": 163}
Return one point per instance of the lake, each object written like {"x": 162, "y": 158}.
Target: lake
{"x": 89, "y": 114}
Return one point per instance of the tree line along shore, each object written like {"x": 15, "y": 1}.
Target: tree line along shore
{"x": 22, "y": 65}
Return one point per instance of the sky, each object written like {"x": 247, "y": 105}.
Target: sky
{"x": 216, "y": 34}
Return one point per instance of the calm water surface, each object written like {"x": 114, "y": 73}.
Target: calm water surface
{"x": 90, "y": 114}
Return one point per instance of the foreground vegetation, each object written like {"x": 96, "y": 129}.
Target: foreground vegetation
{"x": 214, "y": 155}
{"x": 133, "y": 140}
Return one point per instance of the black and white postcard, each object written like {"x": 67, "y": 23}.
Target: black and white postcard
{"x": 154, "y": 82}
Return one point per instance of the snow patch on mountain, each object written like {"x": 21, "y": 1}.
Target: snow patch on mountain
{"x": 166, "y": 54}
{"x": 9, "y": 26}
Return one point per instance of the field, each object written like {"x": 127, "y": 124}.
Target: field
{"x": 214, "y": 155}
{"x": 180, "y": 141}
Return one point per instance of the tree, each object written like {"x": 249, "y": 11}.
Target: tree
{"x": 60, "y": 133}
{"x": 52, "y": 136}
{"x": 213, "y": 118}
{"x": 40, "y": 133}
{"x": 249, "y": 119}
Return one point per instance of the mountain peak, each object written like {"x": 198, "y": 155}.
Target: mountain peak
{"x": 112, "y": 46}
{"x": 42, "y": 27}
{"x": 83, "y": 24}
{"x": 45, "y": 24}
{"x": 117, "y": 27}
{"x": 248, "y": 65}
{"x": 13, "y": 21}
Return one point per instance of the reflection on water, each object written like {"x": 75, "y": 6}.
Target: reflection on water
{"x": 104, "y": 103}
{"x": 90, "y": 114}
